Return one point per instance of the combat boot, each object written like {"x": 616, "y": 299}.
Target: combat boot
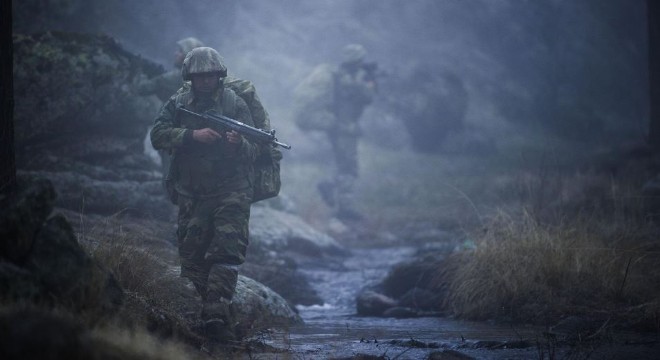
{"x": 219, "y": 320}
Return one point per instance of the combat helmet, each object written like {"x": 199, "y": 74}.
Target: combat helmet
{"x": 354, "y": 53}
{"x": 188, "y": 44}
{"x": 203, "y": 60}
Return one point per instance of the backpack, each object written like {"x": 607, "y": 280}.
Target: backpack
{"x": 313, "y": 100}
{"x": 267, "y": 182}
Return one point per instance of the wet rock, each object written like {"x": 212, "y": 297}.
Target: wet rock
{"x": 55, "y": 269}
{"x": 371, "y": 303}
{"x": 273, "y": 230}
{"x": 176, "y": 312}
{"x": 400, "y": 312}
{"x": 414, "y": 288}
{"x": 418, "y": 273}
{"x": 259, "y": 308}
{"x": 421, "y": 299}
{"x": 281, "y": 274}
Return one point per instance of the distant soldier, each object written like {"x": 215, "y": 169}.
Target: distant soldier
{"x": 332, "y": 99}
{"x": 211, "y": 182}
{"x": 166, "y": 84}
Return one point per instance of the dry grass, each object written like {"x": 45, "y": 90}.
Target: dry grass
{"x": 138, "y": 344}
{"x": 129, "y": 249}
{"x": 598, "y": 261}
{"x": 145, "y": 265}
{"x": 134, "y": 267}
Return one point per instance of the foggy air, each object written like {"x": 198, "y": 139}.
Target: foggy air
{"x": 330, "y": 179}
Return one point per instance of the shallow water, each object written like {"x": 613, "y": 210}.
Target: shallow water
{"x": 335, "y": 330}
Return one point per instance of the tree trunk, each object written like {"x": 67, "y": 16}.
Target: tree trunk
{"x": 653, "y": 10}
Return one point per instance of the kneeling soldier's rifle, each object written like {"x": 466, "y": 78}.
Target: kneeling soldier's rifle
{"x": 241, "y": 128}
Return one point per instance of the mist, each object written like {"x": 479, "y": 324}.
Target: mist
{"x": 576, "y": 67}
{"x": 505, "y": 173}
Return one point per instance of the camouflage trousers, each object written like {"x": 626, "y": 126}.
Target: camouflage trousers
{"x": 338, "y": 192}
{"x": 344, "y": 148}
{"x": 213, "y": 240}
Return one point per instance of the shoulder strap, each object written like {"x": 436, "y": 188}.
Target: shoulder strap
{"x": 181, "y": 98}
{"x": 229, "y": 102}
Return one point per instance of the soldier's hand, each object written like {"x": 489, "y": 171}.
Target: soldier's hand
{"x": 233, "y": 137}
{"x": 206, "y": 135}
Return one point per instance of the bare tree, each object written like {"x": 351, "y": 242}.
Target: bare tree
{"x": 653, "y": 10}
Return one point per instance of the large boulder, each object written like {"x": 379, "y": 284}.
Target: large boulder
{"x": 259, "y": 308}
{"x": 416, "y": 287}
{"x": 281, "y": 274}
{"x": 79, "y": 122}
{"x": 175, "y": 313}
{"x": 278, "y": 231}
{"x": 41, "y": 260}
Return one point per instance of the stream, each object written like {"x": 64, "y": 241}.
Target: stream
{"x": 334, "y": 330}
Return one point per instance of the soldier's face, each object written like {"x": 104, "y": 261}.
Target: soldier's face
{"x": 205, "y": 82}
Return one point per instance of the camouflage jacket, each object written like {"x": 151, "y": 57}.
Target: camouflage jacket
{"x": 352, "y": 94}
{"x": 246, "y": 90}
{"x": 198, "y": 169}
{"x": 332, "y": 99}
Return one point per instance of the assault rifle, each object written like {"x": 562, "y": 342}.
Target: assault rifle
{"x": 241, "y": 128}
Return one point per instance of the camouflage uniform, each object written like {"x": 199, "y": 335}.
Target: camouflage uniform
{"x": 338, "y": 118}
{"x": 213, "y": 183}
{"x": 245, "y": 90}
